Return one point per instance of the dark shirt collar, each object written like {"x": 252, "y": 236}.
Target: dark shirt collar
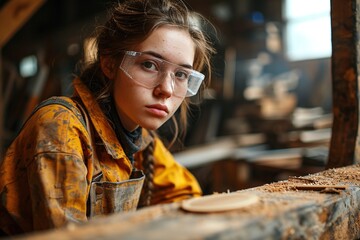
{"x": 130, "y": 141}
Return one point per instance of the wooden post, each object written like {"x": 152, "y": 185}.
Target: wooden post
{"x": 356, "y": 8}
{"x": 345, "y": 71}
{"x": 2, "y": 110}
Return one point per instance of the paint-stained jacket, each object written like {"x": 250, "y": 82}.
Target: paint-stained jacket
{"x": 46, "y": 174}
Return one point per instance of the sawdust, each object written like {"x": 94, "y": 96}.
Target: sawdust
{"x": 284, "y": 196}
{"x": 347, "y": 176}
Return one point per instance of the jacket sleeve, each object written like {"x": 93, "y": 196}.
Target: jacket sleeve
{"x": 57, "y": 174}
{"x": 172, "y": 181}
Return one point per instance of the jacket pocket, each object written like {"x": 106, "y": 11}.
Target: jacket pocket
{"x": 115, "y": 197}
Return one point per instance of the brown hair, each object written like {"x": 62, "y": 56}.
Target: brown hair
{"x": 130, "y": 23}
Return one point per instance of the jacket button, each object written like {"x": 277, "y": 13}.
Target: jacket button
{"x": 99, "y": 191}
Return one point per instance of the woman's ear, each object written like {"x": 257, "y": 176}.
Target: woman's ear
{"x": 108, "y": 67}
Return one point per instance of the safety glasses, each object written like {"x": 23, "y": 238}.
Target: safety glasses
{"x": 149, "y": 71}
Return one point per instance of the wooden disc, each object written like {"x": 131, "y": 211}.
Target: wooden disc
{"x": 219, "y": 202}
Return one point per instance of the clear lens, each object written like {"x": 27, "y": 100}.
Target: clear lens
{"x": 148, "y": 71}
{"x": 194, "y": 83}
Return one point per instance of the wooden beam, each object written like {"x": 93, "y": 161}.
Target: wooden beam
{"x": 283, "y": 212}
{"x": 345, "y": 73}
{"x": 13, "y": 15}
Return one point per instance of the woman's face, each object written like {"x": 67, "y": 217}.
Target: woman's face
{"x": 151, "y": 107}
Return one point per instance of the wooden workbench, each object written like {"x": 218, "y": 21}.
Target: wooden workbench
{"x": 283, "y": 212}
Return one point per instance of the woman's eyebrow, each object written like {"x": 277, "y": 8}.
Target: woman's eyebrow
{"x": 162, "y": 58}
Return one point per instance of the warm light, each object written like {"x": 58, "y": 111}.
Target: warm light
{"x": 90, "y": 50}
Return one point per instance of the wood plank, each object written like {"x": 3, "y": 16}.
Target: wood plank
{"x": 13, "y": 15}
{"x": 345, "y": 74}
{"x": 282, "y": 212}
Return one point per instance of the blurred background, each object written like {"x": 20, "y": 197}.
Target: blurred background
{"x": 266, "y": 116}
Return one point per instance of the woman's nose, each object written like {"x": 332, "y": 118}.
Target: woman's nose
{"x": 166, "y": 85}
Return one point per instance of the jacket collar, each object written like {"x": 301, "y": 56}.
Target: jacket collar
{"x": 102, "y": 126}
{"x": 98, "y": 119}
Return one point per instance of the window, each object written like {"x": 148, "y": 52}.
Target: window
{"x": 28, "y": 66}
{"x": 308, "y": 29}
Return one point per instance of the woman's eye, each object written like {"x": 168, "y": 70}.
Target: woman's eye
{"x": 182, "y": 75}
{"x": 149, "y": 65}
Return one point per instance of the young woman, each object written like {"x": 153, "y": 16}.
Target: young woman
{"x": 84, "y": 156}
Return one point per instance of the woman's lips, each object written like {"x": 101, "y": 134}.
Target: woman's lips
{"x": 158, "y": 110}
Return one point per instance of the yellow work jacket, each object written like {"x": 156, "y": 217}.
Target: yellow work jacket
{"x": 47, "y": 171}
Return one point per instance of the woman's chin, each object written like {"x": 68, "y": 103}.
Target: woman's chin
{"x": 151, "y": 125}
